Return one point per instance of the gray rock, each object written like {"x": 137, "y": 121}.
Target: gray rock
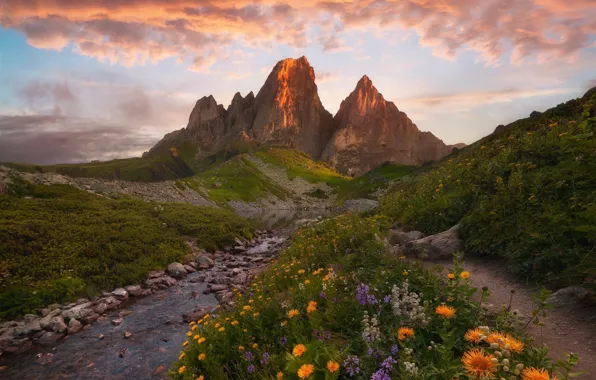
{"x": 28, "y": 328}
{"x": 74, "y": 326}
{"x": 163, "y": 282}
{"x": 437, "y": 247}
{"x": 155, "y": 274}
{"x": 117, "y": 321}
{"x": 18, "y": 346}
{"x": 176, "y": 270}
{"x": 134, "y": 290}
{"x": 567, "y": 296}
{"x": 49, "y": 338}
{"x": 77, "y": 312}
{"x": 361, "y": 205}
{"x": 237, "y": 271}
{"x": 197, "y": 314}
{"x": 401, "y": 238}
{"x": 53, "y": 323}
{"x": 190, "y": 268}
{"x": 204, "y": 262}
{"x": 111, "y": 302}
{"x": 100, "y": 308}
{"x": 218, "y": 287}
{"x": 120, "y": 294}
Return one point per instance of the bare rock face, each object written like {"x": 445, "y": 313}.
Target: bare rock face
{"x": 289, "y": 112}
{"x": 371, "y": 130}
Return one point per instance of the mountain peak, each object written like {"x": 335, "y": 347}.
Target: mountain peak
{"x": 365, "y": 82}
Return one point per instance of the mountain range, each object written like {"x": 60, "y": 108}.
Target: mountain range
{"x": 287, "y": 112}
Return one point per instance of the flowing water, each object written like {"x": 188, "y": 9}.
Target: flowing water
{"x": 157, "y": 331}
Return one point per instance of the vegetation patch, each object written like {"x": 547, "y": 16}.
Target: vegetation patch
{"x": 337, "y": 306}
{"x": 527, "y": 193}
{"x": 58, "y": 243}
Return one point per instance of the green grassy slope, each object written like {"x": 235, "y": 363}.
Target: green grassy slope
{"x": 167, "y": 166}
{"x": 526, "y": 193}
{"x": 62, "y": 243}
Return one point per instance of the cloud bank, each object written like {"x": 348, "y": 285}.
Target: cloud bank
{"x": 201, "y": 32}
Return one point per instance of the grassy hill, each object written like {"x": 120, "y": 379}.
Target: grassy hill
{"x": 58, "y": 243}
{"x": 526, "y": 193}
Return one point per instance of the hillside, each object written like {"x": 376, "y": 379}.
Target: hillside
{"x": 526, "y": 193}
{"x": 58, "y": 243}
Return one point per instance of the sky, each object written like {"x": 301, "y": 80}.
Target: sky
{"x": 81, "y": 82}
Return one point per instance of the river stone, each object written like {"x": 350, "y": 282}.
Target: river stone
{"x": 437, "y": 247}
{"x": 100, "y": 308}
{"x": 28, "y": 328}
{"x": 74, "y": 326}
{"x": 176, "y": 270}
{"x": 160, "y": 282}
{"x": 134, "y": 290}
{"x": 111, "y": 302}
{"x": 53, "y": 323}
{"x": 197, "y": 314}
{"x": 204, "y": 262}
{"x": 361, "y": 205}
{"x": 18, "y": 346}
{"x": 120, "y": 293}
{"x": 155, "y": 274}
{"x": 49, "y": 338}
{"x": 117, "y": 321}
{"x": 218, "y": 287}
{"x": 77, "y": 312}
{"x": 189, "y": 268}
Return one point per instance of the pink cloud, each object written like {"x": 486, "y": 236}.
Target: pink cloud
{"x": 133, "y": 32}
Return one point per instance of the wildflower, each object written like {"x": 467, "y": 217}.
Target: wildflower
{"x": 299, "y": 350}
{"x": 301, "y": 271}
{"x": 182, "y": 354}
{"x": 255, "y": 345}
{"x": 255, "y": 315}
{"x": 531, "y": 197}
{"x": 249, "y": 356}
{"x": 201, "y": 340}
{"x": 464, "y": 274}
{"x": 241, "y": 348}
{"x": 387, "y": 298}
{"x": 182, "y": 369}
{"x": 201, "y": 377}
{"x": 380, "y": 375}
{"x": 445, "y": 311}
{"x": 306, "y": 370}
{"x": 352, "y": 365}
{"x": 404, "y": 332}
{"x": 221, "y": 329}
{"x": 474, "y": 335}
{"x": 405, "y": 273}
{"x": 332, "y": 366}
{"x": 553, "y": 125}
{"x": 478, "y": 364}
{"x": 246, "y": 307}
{"x": 451, "y": 276}
{"x": 322, "y": 294}
{"x": 251, "y": 368}
{"x": 312, "y": 307}
{"x": 265, "y": 359}
{"x": 535, "y": 374}
{"x": 202, "y": 356}
{"x": 283, "y": 340}
{"x": 235, "y": 323}
{"x": 394, "y": 349}
{"x": 185, "y": 343}
{"x": 292, "y": 313}
{"x": 280, "y": 375}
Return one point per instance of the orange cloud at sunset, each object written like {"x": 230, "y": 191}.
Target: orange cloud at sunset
{"x": 133, "y": 32}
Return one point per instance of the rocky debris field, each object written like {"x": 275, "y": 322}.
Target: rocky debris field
{"x": 222, "y": 271}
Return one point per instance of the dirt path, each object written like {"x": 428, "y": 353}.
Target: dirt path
{"x": 569, "y": 329}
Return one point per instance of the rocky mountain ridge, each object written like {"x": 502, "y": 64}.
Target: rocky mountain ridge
{"x": 287, "y": 112}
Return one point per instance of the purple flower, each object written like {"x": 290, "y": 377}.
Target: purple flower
{"x": 251, "y": 368}
{"x": 394, "y": 349}
{"x": 370, "y": 350}
{"x": 248, "y": 355}
{"x": 352, "y": 365}
{"x": 387, "y": 298}
{"x": 265, "y": 359}
{"x": 388, "y": 363}
{"x": 380, "y": 375}
{"x": 283, "y": 340}
{"x": 335, "y": 299}
{"x": 322, "y": 294}
{"x": 362, "y": 293}
{"x": 347, "y": 250}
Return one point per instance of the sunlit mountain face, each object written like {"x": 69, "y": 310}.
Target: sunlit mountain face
{"x": 76, "y": 75}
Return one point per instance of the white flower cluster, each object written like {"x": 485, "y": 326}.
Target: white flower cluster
{"x": 411, "y": 368}
{"x": 407, "y": 304}
{"x": 370, "y": 332}
{"x": 301, "y": 286}
{"x": 284, "y": 304}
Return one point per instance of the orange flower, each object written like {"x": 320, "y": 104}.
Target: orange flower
{"x": 404, "y": 332}
{"x": 464, "y": 274}
{"x": 478, "y": 364}
{"x": 280, "y": 375}
{"x": 299, "y": 350}
{"x": 202, "y": 356}
{"x": 332, "y": 366}
{"x": 535, "y": 374}
{"x": 506, "y": 341}
{"x": 451, "y": 276}
{"x": 312, "y": 307}
{"x": 473, "y": 335}
{"x": 445, "y": 311}
{"x": 306, "y": 370}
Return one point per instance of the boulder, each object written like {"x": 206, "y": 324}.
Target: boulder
{"x": 77, "y": 312}
{"x": 134, "y": 290}
{"x": 74, "y": 326}
{"x": 111, "y": 302}
{"x": 120, "y": 294}
{"x": 18, "y": 346}
{"x": 189, "y": 268}
{"x": 361, "y": 205}
{"x": 28, "y": 328}
{"x": 218, "y": 288}
{"x": 204, "y": 262}
{"x": 49, "y": 338}
{"x": 567, "y": 296}
{"x": 436, "y": 247}
{"x": 197, "y": 314}
{"x": 160, "y": 282}
{"x": 401, "y": 238}
{"x": 155, "y": 274}
{"x": 176, "y": 270}
{"x": 100, "y": 308}
{"x": 53, "y": 323}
